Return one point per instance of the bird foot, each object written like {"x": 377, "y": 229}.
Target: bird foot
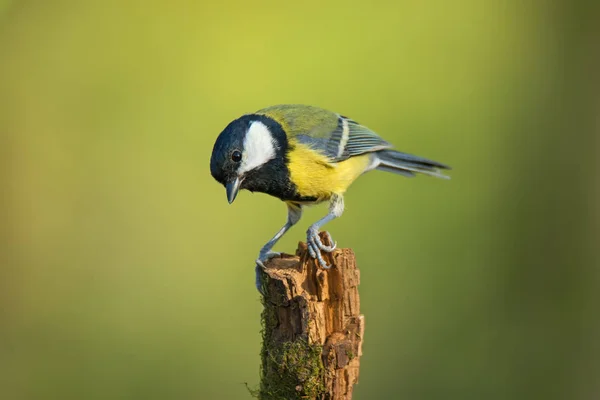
{"x": 315, "y": 245}
{"x": 263, "y": 257}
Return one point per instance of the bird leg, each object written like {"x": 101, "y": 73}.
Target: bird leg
{"x": 294, "y": 214}
{"x": 315, "y": 245}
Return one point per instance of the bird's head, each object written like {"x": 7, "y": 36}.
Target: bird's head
{"x": 246, "y": 145}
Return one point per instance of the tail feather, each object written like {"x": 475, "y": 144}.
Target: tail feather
{"x": 408, "y": 164}
{"x": 383, "y": 167}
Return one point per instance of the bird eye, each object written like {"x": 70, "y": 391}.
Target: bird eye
{"x": 236, "y": 156}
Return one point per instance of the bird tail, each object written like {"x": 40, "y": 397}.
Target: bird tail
{"x": 408, "y": 165}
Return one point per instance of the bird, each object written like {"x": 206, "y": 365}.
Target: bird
{"x": 304, "y": 155}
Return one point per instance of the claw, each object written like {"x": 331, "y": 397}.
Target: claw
{"x": 325, "y": 248}
{"x": 260, "y": 263}
{"x": 334, "y": 245}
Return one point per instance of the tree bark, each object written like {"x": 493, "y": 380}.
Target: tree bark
{"x": 312, "y": 327}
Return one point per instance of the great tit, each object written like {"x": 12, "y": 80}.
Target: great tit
{"x": 304, "y": 155}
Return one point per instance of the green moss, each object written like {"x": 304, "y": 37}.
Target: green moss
{"x": 289, "y": 370}
{"x": 349, "y": 354}
{"x": 292, "y": 370}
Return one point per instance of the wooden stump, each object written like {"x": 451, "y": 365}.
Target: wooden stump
{"x": 312, "y": 327}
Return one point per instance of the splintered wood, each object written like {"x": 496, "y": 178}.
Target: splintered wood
{"x": 314, "y": 311}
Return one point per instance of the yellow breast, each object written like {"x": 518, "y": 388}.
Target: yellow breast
{"x": 315, "y": 176}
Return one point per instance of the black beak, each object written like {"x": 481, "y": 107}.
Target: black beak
{"x": 232, "y": 188}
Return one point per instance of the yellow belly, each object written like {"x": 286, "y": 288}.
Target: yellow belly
{"x": 314, "y": 176}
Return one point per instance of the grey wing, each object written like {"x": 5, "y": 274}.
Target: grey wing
{"x": 347, "y": 140}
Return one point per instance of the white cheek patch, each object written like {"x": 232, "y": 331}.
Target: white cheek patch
{"x": 259, "y": 147}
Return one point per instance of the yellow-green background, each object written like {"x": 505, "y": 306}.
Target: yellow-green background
{"x": 124, "y": 273}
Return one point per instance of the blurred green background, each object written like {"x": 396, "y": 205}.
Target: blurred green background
{"x": 124, "y": 273}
